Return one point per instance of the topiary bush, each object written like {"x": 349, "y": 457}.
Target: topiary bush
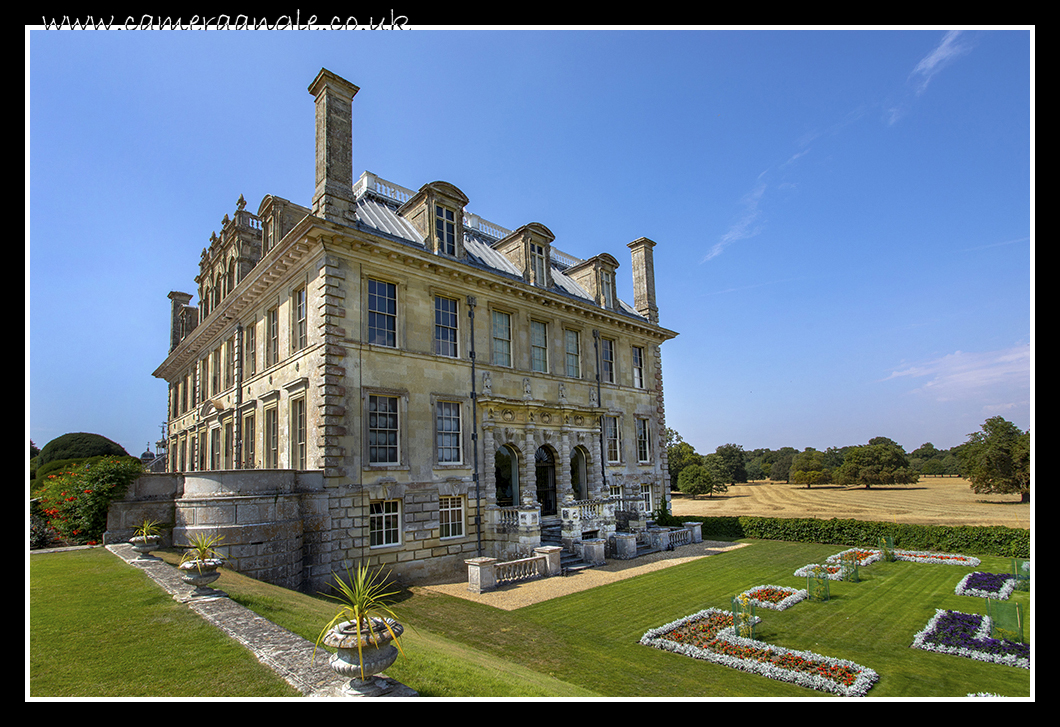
{"x": 77, "y": 445}
{"x": 74, "y": 502}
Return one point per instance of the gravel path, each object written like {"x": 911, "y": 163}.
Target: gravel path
{"x": 513, "y": 596}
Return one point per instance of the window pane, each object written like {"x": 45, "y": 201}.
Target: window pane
{"x": 447, "y": 428}
{"x": 384, "y": 522}
{"x": 382, "y": 313}
{"x": 383, "y": 430}
{"x": 502, "y": 339}
{"x": 445, "y": 328}
{"x": 573, "y": 354}
{"x": 538, "y": 346}
{"x": 607, "y": 348}
{"x": 450, "y": 517}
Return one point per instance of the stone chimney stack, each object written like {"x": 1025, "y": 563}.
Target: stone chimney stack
{"x": 644, "y": 279}
{"x": 176, "y": 325}
{"x": 333, "y": 196}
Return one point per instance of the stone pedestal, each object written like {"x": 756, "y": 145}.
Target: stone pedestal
{"x": 552, "y": 555}
{"x": 625, "y": 546}
{"x": 481, "y": 575}
{"x": 593, "y": 551}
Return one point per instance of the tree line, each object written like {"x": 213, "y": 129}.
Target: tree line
{"x": 994, "y": 459}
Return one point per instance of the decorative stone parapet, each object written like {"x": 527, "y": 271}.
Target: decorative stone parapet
{"x": 485, "y": 574}
{"x": 667, "y": 539}
{"x": 696, "y": 529}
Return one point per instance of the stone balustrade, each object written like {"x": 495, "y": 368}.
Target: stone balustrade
{"x": 485, "y": 574}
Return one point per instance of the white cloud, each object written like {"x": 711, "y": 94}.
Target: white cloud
{"x": 748, "y": 225}
{"x": 997, "y": 378}
{"x": 948, "y": 49}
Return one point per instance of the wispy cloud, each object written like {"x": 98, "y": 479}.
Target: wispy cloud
{"x": 996, "y": 244}
{"x": 951, "y": 46}
{"x": 990, "y": 375}
{"x": 749, "y": 223}
{"x": 948, "y": 49}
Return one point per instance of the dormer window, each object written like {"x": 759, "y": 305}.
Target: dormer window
{"x": 436, "y": 211}
{"x": 607, "y": 287}
{"x": 537, "y": 262}
{"x": 445, "y": 229}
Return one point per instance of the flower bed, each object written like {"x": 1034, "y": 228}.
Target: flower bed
{"x": 832, "y": 572}
{"x": 987, "y": 585}
{"x": 709, "y": 635}
{"x": 968, "y": 635}
{"x": 921, "y": 556}
{"x": 777, "y": 598}
{"x": 865, "y": 557}
{"x": 836, "y": 572}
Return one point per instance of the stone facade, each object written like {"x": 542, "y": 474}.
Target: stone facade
{"x": 414, "y": 385}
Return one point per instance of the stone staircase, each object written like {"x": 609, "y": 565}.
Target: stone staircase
{"x": 569, "y": 561}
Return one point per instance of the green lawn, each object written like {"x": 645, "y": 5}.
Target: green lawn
{"x": 585, "y": 644}
{"x": 100, "y": 628}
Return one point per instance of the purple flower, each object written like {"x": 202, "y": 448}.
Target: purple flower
{"x": 965, "y": 634}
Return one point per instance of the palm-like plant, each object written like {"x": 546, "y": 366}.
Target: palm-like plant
{"x": 364, "y": 602}
{"x": 201, "y": 548}
{"x": 147, "y": 529}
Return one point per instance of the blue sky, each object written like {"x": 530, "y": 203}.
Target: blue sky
{"x": 844, "y": 218}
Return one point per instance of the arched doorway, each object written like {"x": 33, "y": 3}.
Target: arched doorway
{"x": 506, "y": 474}
{"x": 579, "y": 473}
{"x": 545, "y": 470}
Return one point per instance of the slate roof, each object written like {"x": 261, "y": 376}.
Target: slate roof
{"x": 379, "y": 211}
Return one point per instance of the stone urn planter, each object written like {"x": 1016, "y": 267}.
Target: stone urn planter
{"x": 364, "y": 632}
{"x": 199, "y": 564}
{"x": 361, "y": 654}
{"x": 146, "y": 537}
{"x": 144, "y": 544}
{"x": 200, "y": 573}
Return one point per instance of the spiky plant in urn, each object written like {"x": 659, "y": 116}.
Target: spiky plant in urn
{"x": 198, "y": 566}
{"x": 364, "y": 632}
{"x": 146, "y": 538}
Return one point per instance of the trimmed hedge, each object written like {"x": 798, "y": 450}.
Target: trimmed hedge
{"x": 968, "y": 539}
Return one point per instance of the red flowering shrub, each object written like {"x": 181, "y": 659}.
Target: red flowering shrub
{"x": 74, "y": 502}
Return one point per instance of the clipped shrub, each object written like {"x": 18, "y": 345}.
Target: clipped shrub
{"x": 968, "y": 539}
{"x": 78, "y": 445}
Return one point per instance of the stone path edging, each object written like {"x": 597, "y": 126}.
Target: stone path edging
{"x": 286, "y": 653}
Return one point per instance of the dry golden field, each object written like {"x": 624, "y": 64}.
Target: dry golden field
{"x": 932, "y": 501}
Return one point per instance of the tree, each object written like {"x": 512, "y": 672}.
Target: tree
{"x": 808, "y": 468}
{"x": 880, "y": 462}
{"x": 679, "y": 455}
{"x": 699, "y": 479}
{"x": 695, "y": 480}
{"x": 76, "y": 445}
{"x": 731, "y": 463}
{"x": 998, "y": 459}
{"x": 782, "y": 463}
{"x": 719, "y": 469}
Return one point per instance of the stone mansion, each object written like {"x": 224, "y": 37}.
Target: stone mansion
{"x": 383, "y": 375}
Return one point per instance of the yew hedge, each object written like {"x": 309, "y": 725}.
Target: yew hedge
{"x": 979, "y": 539}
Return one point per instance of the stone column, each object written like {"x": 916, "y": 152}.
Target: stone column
{"x": 528, "y": 470}
{"x": 564, "y": 488}
{"x": 489, "y": 466}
